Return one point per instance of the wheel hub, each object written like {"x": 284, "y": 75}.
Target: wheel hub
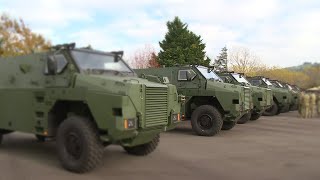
{"x": 73, "y": 145}
{"x": 205, "y": 121}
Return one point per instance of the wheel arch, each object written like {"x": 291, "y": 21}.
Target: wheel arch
{"x": 66, "y": 108}
{"x": 197, "y": 101}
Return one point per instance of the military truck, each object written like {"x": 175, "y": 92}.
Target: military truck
{"x": 85, "y": 99}
{"x": 211, "y": 104}
{"x": 280, "y": 99}
{"x": 261, "y": 98}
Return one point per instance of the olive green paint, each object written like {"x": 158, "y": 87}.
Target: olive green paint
{"x": 200, "y": 91}
{"x": 30, "y": 99}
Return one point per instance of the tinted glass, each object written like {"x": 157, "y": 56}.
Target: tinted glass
{"x": 91, "y": 61}
{"x": 209, "y": 75}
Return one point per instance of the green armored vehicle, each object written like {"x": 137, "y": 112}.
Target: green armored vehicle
{"x": 280, "y": 99}
{"x": 85, "y": 99}
{"x": 261, "y": 98}
{"x": 288, "y": 94}
{"x": 294, "y": 96}
{"x": 211, "y": 104}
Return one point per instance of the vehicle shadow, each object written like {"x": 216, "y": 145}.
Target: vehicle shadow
{"x": 26, "y": 147}
{"x": 183, "y": 128}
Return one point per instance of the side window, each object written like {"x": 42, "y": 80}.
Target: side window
{"x": 182, "y": 76}
{"x": 58, "y": 63}
{"x": 61, "y": 62}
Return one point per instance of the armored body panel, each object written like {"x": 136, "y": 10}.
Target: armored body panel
{"x": 50, "y": 94}
{"x": 203, "y": 87}
{"x": 261, "y": 97}
{"x": 280, "y": 96}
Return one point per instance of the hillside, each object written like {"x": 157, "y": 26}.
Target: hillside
{"x": 303, "y": 66}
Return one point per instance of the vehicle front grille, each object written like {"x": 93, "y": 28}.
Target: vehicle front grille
{"x": 247, "y": 97}
{"x": 156, "y": 106}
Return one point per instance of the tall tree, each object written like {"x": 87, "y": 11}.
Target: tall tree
{"x": 17, "y": 38}
{"x": 181, "y": 46}
{"x": 221, "y": 62}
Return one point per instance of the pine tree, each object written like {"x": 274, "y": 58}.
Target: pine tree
{"x": 221, "y": 62}
{"x": 181, "y": 46}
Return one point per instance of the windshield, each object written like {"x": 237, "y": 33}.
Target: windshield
{"x": 289, "y": 87}
{"x": 239, "y": 78}
{"x": 279, "y": 84}
{"x": 267, "y": 81}
{"x": 211, "y": 75}
{"x": 275, "y": 84}
{"x": 89, "y": 61}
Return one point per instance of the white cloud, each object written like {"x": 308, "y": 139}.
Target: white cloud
{"x": 281, "y": 32}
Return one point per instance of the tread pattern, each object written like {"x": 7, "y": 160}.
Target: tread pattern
{"x": 245, "y": 118}
{"x": 274, "y": 110}
{"x": 227, "y": 125}
{"x": 255, "y": 116}
{"x": 93, "y": 151}
{"x": 144, "y": 149}
{"x": 207, "y": 109}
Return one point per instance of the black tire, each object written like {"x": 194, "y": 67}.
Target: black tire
{"x": 4, "y": 131}
{"x": 79, "y": 147}
{"x": 279, "y": 111}
{"x": 41, "y": 138}
{"x": 255, "y": 116}
{"x": 227, "y": 125}
{"x": 144, "y": 149}
{"x": 206, "y": 120}
{"x": 1, "y": 137}
{"x": 273, "y": 110}
{"x": 293, "y": 108}
{"x": 245, "y": 118}
{"x": 285, "y": 109}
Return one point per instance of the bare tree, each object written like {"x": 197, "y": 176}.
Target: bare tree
{"x": 243, "y": 60}
{"x": 144, "y": 58}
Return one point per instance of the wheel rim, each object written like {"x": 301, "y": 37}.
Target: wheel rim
{"x": 205, "y": 121}
{"x": 73, "y": 145}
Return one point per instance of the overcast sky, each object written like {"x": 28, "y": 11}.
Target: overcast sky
{"x": 281, "y": 32}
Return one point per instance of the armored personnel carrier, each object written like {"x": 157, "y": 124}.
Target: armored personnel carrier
{"x": 288, "y": 94}
{"x": 261, "y": 98}
{"x": 211, "y": 104}
{"x": 294, "y": 96}
{"x": 280, "y": 96}
{"x": 85, "y": 99}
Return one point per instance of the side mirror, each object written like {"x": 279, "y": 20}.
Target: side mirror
{"x": 51, "y": 65}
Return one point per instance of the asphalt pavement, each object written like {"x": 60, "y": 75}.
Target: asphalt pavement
{"x": 283, "y": 147}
